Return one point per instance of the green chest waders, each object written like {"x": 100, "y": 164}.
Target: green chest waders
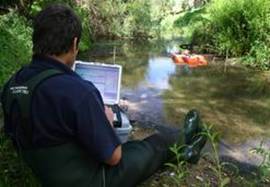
{"x": 64, "y": 165}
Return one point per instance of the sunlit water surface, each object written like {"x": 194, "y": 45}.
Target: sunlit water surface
{"x": 235, "y": 100}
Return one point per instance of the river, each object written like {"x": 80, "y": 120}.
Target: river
{"x": 235, "y": 99}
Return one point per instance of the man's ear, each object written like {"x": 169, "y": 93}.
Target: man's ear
{"x": 75, "y": 42}
{"x": 75, "y": 46}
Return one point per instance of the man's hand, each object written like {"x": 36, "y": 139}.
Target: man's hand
{"x": 109, "y": 114}
{"x": 116, "y": 156}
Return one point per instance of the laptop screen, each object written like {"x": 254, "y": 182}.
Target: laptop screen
{"x": 105, "y": 77}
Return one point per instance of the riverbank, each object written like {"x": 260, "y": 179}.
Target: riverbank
{"x": 235, "y": 173}
{"x": 241, "y": 167}
{"x": 202, "y": 174}
{"x": 235, "y": 100}
{"x": 230, "y": 28}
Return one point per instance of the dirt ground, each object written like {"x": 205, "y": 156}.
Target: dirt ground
{"x": 202, "y": 174}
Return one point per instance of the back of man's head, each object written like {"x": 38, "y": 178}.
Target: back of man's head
{"x": 55, "y": 28}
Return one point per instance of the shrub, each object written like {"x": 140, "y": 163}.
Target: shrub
{"x": 13, "y": 171}
{"x": 80, "y": 9}
{"x": 16, "y": 45}
{"x": 240, "y": 27}
{"x": 16, "y": 38}
{"x": 140, "y": 18}
{"x": 120, "y": 19}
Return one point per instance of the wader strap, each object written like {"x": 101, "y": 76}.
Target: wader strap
{"x": 22, "y": 95}
{"x": 25, "y": 102}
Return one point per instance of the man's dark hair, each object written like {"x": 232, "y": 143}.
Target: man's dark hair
{"x": 55, "y": 28}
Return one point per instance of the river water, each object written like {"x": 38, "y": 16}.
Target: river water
{"x": 234, "y": 99}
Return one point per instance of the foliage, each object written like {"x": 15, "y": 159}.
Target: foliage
{"x": 15, "y": 39}
{"x": 81, "y": 11}
{"x": 137, "y": 19}
{"x": 85, "y": 42}
{"x": 240, "y": 27}
{"x": 178, "y": 168}
{"x": 13, "y": 172}
{"x": 243, "y": 28}
{"x": 106, "y": 17}
{"x": 264, "y": 166}
{"x": 36, "y": 5}
{"x": 192, "y": 23}
{"x": 218, "y": 166}
{"x": 189, "y": 17}
{"x": 116, "y": 18}
{"x": 259, "y": 55}
{"x": 140, "y": 21}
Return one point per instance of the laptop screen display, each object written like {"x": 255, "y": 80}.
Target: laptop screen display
{"x": 105, "y": 78}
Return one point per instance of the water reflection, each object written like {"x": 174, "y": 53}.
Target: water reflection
{"x": 236, "y": 102}
{"x": 159, "y": 70}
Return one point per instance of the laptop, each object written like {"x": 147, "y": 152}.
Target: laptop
{"x": 106, "y": 78}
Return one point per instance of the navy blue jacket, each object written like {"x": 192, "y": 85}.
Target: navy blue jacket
{"x": 65, "y": 108}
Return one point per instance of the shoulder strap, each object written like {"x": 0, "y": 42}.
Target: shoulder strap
{"x": 33, "y": 82}
{"x": 22, "y": 94}
{"x": 25, "y": 102}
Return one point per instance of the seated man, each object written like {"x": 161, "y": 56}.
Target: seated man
{"x": 59, "y": 124}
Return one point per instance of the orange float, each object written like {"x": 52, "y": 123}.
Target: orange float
{"x": 190, "y": 60}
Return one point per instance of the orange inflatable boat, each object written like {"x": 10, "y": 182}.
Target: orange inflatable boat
{"x": 190, "y": 60}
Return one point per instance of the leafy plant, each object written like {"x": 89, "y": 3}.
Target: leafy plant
{"x": 239, "y": 28}
{"x": 179, "y": 170}
{"x": 80, "y": 8}
{"x": 217, "y": 167}
{"x": 13, "y": 171}
{"x": 264, "y": 166}
{"x": 16, "y": 45}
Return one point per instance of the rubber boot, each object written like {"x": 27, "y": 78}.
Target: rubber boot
{"x": 192, "y": 152}
{"x": 191, "y": 126}
{"x": 194, "y": 138}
